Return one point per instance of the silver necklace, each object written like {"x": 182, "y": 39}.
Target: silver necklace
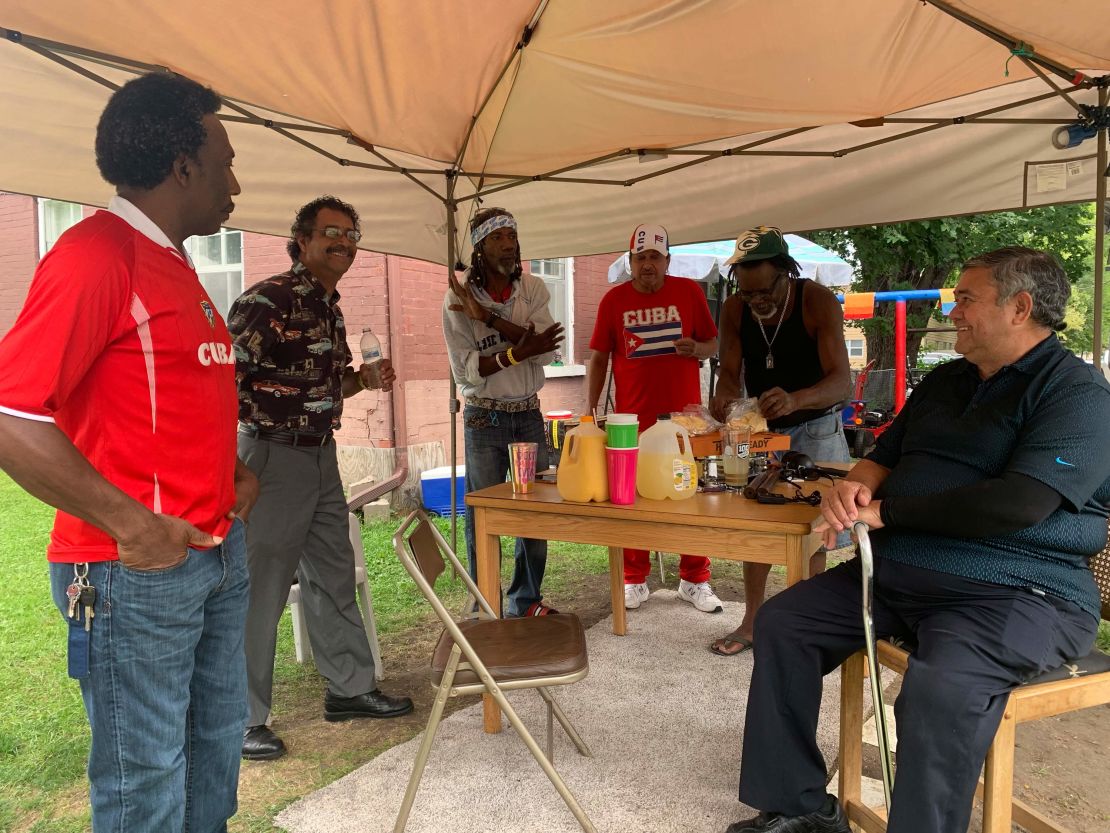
{"x": 771, "y": 341}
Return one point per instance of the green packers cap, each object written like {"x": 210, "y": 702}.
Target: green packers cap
{"x": 759, "y": 243}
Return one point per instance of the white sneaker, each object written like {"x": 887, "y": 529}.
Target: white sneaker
{"x": 700, "y": 595}
{"x": 635, "y": 595}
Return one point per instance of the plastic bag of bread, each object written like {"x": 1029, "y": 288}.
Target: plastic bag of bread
{"x": 696, "y": 420}
{"x": 744, "y": 413}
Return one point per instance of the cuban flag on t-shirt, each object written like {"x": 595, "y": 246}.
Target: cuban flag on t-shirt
{"x": 651, "y": 339}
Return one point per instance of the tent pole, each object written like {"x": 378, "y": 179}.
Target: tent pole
{"x": 453, "y": 401}
{"x": 1100, "y": 229}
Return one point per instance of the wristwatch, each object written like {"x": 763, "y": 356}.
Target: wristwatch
{"x": 493, "y": 316}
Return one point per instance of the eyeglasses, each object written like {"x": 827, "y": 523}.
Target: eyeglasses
{"x": 335, "y": 232}
{"x": 752, "y": 294}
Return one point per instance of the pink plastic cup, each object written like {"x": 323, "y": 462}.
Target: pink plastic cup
{"x": 622, "y": 474}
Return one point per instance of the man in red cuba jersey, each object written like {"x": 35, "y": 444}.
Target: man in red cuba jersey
{"x": 118, "y": 406}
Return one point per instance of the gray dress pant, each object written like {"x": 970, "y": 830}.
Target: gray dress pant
{"x": 299, "y": 528}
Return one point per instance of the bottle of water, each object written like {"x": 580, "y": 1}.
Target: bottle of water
{"x": 371, "y": 355}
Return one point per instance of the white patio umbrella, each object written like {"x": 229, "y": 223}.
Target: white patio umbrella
{"x": 706, "y": 262}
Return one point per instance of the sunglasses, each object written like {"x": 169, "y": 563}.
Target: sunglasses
{"x": 752, "y": 294}
{"x": 335, "y": 232}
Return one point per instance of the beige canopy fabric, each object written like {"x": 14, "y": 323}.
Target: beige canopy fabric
{"x": 507, "y": 93}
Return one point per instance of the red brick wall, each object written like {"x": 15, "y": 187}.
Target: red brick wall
{"x": 590, "y": 283}
{"x": 19, "y": 253}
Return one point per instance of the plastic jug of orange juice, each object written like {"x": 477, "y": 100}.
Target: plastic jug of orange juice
{"x": 665, "y": 468}
{"x": 582, "y": 475}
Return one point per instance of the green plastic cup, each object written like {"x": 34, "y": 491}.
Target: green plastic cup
{"x": 622, "y": 430}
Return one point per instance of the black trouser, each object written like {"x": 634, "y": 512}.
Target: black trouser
{"x": 975, "y": 642}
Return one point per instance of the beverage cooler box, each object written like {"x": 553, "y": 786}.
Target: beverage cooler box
{"x": 435, "y": 490}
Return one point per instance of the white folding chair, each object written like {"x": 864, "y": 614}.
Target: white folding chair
{"x": 301, "y": 644}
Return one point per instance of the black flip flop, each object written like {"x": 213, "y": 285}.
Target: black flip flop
{"x": 731, "y": 640}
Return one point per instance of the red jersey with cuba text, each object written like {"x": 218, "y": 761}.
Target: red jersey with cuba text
{"x": 121, "y": 347}
{"x": 639, "y": 330}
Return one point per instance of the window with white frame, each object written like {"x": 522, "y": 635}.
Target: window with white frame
{"x": 55, "y": 216}
{"x": 218, "y": 259}
{"x": 558, "y": 274}
{"x": 856, "y": 347}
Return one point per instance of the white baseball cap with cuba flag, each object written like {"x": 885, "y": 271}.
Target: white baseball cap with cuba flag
{"x": 648, "y": 236}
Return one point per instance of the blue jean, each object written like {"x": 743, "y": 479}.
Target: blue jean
{"x": 166, "y": 690}
{"x": 822, "y": 440}
{"x": 487, "y": 435}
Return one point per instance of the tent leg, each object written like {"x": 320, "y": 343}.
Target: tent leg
{"x": 1100, "y": 231}
{"x": 453, "y": 403}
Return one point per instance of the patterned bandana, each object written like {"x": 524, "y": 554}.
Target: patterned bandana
{"x": 489, "y": 226}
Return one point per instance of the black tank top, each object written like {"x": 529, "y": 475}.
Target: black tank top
{"x": 797, "y": 363}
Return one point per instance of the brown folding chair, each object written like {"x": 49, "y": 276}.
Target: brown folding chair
{"x": 488, "y": 655}
{"x": 1072, "y": 687}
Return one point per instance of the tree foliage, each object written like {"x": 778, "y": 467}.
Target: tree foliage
{"x": 927, "y": 254}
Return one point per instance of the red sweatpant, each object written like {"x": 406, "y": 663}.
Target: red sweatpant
{"x": 637, "y": 565}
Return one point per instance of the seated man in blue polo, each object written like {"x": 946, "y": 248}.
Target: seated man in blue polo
{"x": 986, "y": 499}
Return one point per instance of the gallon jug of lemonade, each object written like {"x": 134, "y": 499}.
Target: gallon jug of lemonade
{"x": 582, "y": 475}
{"x": 665, "y": 468}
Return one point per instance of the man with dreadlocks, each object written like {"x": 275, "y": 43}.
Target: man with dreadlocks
{"x": 787, "y": 334}
{"x": 499, "y": 335}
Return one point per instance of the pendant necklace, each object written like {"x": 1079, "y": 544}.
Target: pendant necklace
{"x": 771, "y": 341}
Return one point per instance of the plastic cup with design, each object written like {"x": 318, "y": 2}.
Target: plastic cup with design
{"x": 522, "y": 467}
{"x": 622, "y": 430}
{"x": 621, "y": 463}
{"x": 736, "y": 455}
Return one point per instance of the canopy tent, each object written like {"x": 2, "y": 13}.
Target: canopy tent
{"x": 786, "y": 113}
{"x": 585, "y": 118}
{"x": 706, "y": 262}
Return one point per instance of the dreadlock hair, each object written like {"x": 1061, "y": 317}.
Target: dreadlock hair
{"x": 782, "y": 263}
{"x": 306, "y": 219}
{"x": 477, "y": 264}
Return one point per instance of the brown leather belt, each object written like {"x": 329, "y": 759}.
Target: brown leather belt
{"x": 294, "y": 438}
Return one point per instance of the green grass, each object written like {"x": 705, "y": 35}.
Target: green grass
{"x": 43, "y": 734}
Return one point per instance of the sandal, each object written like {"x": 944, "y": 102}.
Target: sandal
{"x": 720, "y": 647}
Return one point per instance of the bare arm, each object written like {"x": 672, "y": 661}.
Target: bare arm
{"x": 595, "y": 378}
{"x": 698, "y": 349}
{"x": 728, "y": 379}
{"x": 41, "y": 459}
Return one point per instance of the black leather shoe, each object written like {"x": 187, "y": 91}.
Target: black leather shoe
{"x": 260, "y": 744}
{"x": 371, "y": 704}
{"x": 829, "y": 819}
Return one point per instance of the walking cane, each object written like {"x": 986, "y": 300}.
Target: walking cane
{"x": 867, "y": 568}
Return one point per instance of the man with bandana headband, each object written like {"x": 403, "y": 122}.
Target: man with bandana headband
{"x": 786, "y": 334}
{"x": 500, "y": 335}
